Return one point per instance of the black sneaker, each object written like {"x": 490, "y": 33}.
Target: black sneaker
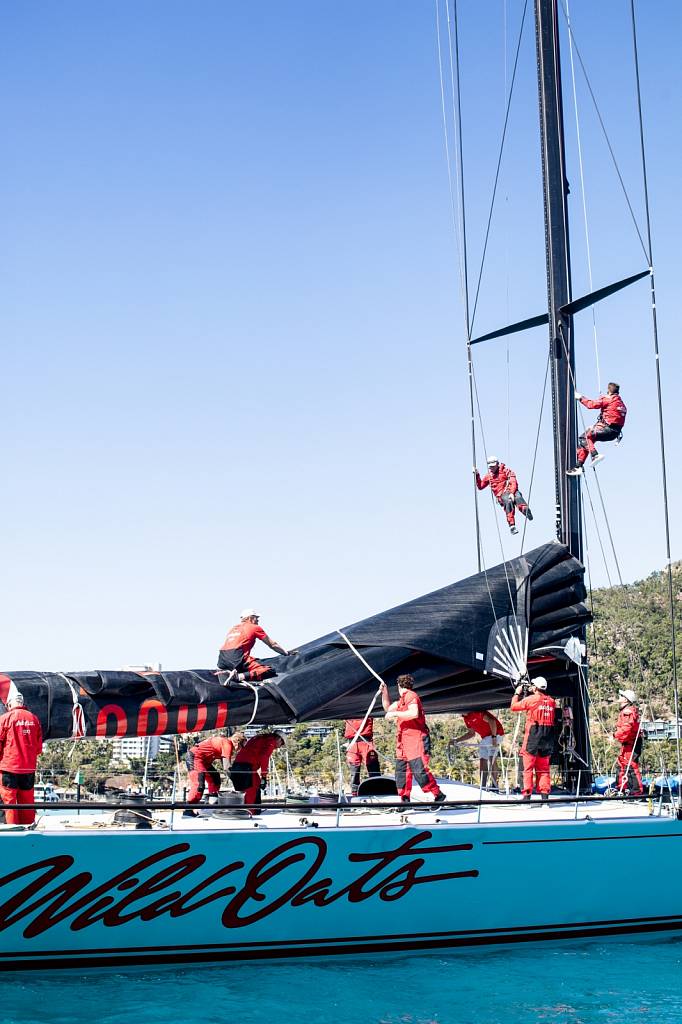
{"x": 404, "y": 799}
{"x": 526, "y": 798}
{"x": 190, "y": 814}
{"x": 440, "y": 799}
{"x": 576, "y": 471}
{"x": 513, "y": 529}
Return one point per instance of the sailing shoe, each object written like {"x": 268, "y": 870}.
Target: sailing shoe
{"x": 190, "y": 814}
{"x": 597, "y": 457}
{"x": 526, "y": 798}
{"x": 440, "y": 799}
{"x": 512, "y": 529}
{"x": 405, "y": 799}
{"x": 576, "y": 471}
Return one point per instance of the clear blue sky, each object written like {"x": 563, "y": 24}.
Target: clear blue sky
{"x": 232, "y": 335}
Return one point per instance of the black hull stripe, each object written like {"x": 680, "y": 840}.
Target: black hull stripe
{"x": 213, "y": 953}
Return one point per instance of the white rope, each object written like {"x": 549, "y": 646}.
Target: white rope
{"x": 376, "y": 695}
{"x": 255, "y": 701}
{"x": 78, "y": 726}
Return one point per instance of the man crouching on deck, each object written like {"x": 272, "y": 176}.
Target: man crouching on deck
{"x": 412, "y": 740}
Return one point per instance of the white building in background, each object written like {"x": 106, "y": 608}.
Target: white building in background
{"x": 147, "y": 747}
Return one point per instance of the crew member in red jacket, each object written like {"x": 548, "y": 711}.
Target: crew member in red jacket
{"x": 412, "y": 740}
{"x": 249, "y": 771}
{"x": 235, "y": 659}
{"x": 361, "y": 751}
{"x": 201, "y": 760}
{"x": 21, "y": 741}
{"x": 505, "y": 487}
{"x": 538, "y": 738}
{"x": 629, "y": 735}
{"x": 609, "y": 426}
{"x": 490, "y": 732}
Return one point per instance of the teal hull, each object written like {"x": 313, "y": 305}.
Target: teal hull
{"x": 82, "y": 899}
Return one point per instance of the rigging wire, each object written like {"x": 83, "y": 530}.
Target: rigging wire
{"x": 605, "y": 133}
{"x": 459, "y": 211}
{"x": 664, "y": 474}
{"x": 535, "y": 452}
{"x": 499, "y": 164}
{"x": 583, "y": 194}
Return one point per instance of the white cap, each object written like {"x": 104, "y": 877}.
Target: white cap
{"x": 629, "y": 695}
{"x": 492, "y": 460}
{"x": 540, "y": 683}
{"x": 15, "y": 698}
{"x": 248, "y": 612}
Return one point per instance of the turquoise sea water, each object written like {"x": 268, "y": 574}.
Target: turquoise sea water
{"x": 589, "y": 984}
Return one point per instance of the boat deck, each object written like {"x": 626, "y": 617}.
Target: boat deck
{"x": 373, "y": 812}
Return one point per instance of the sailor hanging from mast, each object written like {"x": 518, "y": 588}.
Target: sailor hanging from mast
{"x": 609, "y": 426}
{"x": 504, "y": 486}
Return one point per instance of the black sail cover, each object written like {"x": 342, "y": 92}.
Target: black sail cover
{"x": 462, "y": 644}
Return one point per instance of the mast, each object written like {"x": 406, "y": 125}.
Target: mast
{"x": 555, "y": 188}
{"x": 558, "y": 256}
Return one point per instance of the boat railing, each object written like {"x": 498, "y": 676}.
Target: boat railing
{"x": 342, "y": 807}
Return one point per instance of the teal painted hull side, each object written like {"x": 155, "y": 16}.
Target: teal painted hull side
{"x": 134, "y": 898}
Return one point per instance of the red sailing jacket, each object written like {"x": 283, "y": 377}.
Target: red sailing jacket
{"x": 479, "y": 723}
{"x": 243, "y": 635}
{"x": 21, "y": 740}
{"x": 627, "y": 726}
{"x": 412, "y": 736}
{"x": 613, "y": 409}
{"x": 352, "y": 726}
{"x": 257, "y": 752}
{"x": 503, "y": 480}
{"x": 540, "y": 710}
{"x": 213, "y": 748}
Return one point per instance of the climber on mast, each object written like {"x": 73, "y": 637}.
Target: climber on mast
{"x": 504, "y": 486}
{"x": 609, "y": 426}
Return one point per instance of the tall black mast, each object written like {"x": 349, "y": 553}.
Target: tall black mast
{"x": 555, "y": 188}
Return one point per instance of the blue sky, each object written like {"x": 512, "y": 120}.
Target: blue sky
{"x": 233, "y": 344}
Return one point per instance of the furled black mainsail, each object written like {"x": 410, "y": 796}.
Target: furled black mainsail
{"x": 460, "y": 644}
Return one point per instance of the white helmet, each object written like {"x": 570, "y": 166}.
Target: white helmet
{"x": 492, "y": 460}
{"x": 630, "y": 696}
{"x": 540, "y": 683}
{"x": 248, "y": 612}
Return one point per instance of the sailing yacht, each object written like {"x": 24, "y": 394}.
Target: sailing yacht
{"x": 153, "y": 887}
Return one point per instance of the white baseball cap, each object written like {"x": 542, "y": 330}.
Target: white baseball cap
{"x": 540, "y": 683}
{"x": 629, "y": 695}
{"x": 248, "y": 612}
